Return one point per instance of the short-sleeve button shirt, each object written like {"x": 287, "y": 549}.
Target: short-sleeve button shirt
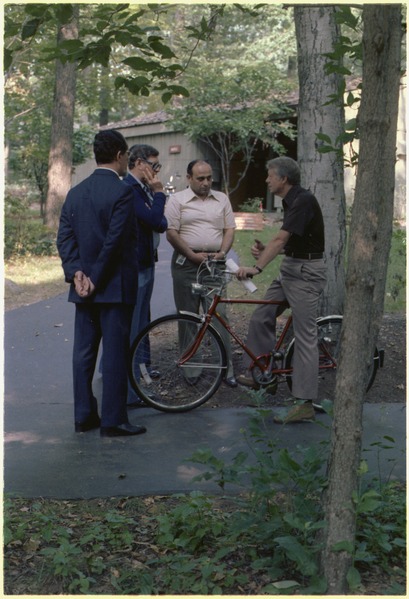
{"x": 200, "y": 223}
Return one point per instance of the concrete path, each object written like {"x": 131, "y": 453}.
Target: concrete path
{"x": 44, "y": 457}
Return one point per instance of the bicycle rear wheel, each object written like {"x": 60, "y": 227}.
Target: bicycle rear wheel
{"x": 175, "y": 386}
{"x": 329, "y": 342}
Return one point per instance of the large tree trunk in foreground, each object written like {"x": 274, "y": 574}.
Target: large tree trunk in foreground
{"x": 369, "y": 246}
{"x": 322, "y": 173}
{"x": 60, "y": 157}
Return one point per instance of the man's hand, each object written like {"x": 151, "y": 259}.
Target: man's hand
{"x": 199, "y": 257}
{"x": 219, "y": 256}
{"x": 83, "y": 284}
{"x": 257, "y": 248}
{"x": 151, "y": 178}
{"x": 246, "y": 272}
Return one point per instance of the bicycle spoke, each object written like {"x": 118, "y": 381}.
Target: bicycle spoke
{"x": 182, "y": 384}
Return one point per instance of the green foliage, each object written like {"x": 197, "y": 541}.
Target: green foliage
{"x": 277, "y": 514}
{"x": 278, "y": 518}
{"x": 395, "y": 297}
{"x": 111, "y": 26}
{"x": 231, "y": 115}
{"x": 251, "y": 205}
{"x": 346, "y": 60}
{"x": 267, "y": 529}
{"x": 381, "y": 528}
{"x": 192, "y": 526}
{"x": 72, "y": 561}
{"x": 23, "y": 234}
{"x": 82, "y": 144}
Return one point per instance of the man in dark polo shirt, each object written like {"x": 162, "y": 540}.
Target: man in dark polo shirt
{"x": 301, "y": 280}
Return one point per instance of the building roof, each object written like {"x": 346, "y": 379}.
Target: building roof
{"x": 159, "y": 116}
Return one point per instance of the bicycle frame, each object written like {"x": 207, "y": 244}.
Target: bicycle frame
{"x": 212, "y": 313}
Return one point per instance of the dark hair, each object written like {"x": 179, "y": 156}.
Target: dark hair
{"x": 107, "y": 144}
{"x": 192, "y": 164}
{"x": 142, "y": 151}
{"x": 286, "y": 167}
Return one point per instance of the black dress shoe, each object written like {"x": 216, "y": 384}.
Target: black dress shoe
{"x": 231, "y": 381}
{"x": 122, "y": 430}
{"x": 90, "y": 423}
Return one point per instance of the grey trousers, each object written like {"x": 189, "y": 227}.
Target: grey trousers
{"x": 300, "y": 282}
{"x": 183, "y": 277}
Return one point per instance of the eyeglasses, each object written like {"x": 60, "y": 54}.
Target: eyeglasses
{"x": 156, "y": 166}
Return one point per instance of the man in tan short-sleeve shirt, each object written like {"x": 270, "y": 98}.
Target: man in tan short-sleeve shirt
{"x": 200, "y": 224}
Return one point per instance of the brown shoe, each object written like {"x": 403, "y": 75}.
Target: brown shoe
{"x": 247, "y": 381}
{"x": 300, "y": 412}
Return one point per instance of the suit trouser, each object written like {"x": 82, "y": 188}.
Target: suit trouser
{"x": 141, "y": 316}
{"x": 112, "y": 323}
{"x": 300, "y": 282}
{"x": 183, "y": 277}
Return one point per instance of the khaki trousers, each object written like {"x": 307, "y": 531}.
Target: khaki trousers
{"x": 300, "y": 282}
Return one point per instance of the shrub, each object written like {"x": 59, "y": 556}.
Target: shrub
{"x": 25, "y": 235}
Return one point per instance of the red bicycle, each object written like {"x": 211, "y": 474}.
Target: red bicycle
{"x": 179, "y": 361}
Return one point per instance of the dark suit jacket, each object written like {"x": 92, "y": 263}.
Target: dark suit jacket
{"x": 150, "y": 218}
{"x": 98, "y": 235}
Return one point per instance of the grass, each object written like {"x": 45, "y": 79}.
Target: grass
{"x": 395, "y": 296}
{"x": 32, "y": 278}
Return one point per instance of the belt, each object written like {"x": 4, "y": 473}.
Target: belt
{"x": 206, "y": 251}
{"x": 304, "y": 256}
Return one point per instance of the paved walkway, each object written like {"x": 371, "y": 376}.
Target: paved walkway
{"x": 44, "y": 457}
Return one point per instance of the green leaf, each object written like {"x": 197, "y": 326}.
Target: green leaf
{"x": 7, "y": 59}
{"x": 391, "y": 439}
{"x": 350, "y": 125}
{"x": 363, "y": 468}
{"x": 285, "y": 584}
{"x": 368, "y": 502}
{"x": 353, "y": 578}
{"x": 30, "y": 28}
{"x": 161, "y": 49}
{"x": 179, "y": 90}
{"x": 63, "y": 12}
{"x": 323, "y": 137}
{"x": 140, "y": 64}
{"x": 347, "y": 546}
{"x": 351, "y": 99}
{"x": 287, "y": 460}
{"x": 302, "y": 556}
{"x": 36, "y": 10}
{"x": 166, "y": 97}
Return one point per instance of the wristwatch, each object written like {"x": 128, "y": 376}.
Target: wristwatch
{"x": 260, "y": 270}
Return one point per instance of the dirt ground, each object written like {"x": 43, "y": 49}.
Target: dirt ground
{"x": 390, "y": 381}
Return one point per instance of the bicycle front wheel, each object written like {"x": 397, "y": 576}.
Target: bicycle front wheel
{"x": 160, "y": 372}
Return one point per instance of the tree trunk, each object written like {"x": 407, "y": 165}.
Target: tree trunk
{"x": 60, "y": 157}
{"x": 323, "y": 174}
{"x": 370, "y": 238}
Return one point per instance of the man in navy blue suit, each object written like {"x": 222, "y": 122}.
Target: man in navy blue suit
{"x": 97, "y": 243}
{"x": 149, "y": 202}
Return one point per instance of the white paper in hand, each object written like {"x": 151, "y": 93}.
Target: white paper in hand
{"x": 233, "y": 267}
